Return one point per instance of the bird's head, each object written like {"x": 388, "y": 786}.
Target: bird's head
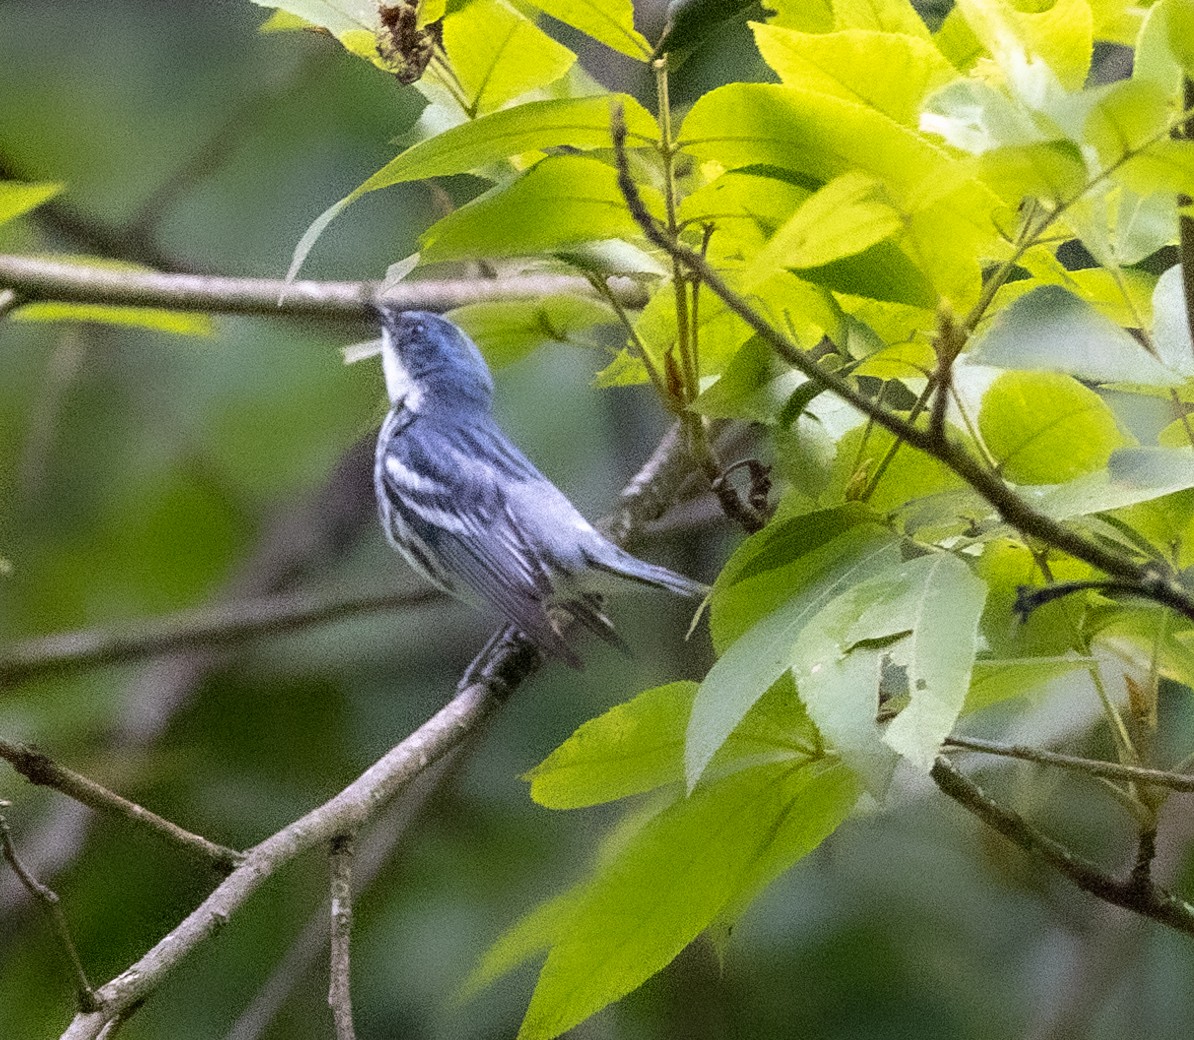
{"x": 426, "y": 358}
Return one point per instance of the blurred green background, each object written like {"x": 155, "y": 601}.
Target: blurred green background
{"x": 142, "y": 473}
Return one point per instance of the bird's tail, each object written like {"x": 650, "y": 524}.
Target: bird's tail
{"x": 621, "y": 563}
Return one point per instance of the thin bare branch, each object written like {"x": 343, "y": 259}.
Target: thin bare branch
{"x": 40, "y": 769}
{"x": 373, "y": 853}
{"x": 1139, "y": 894}
{"x": 37, "y": 278}
{"x": 340, "y": 961}
{"x": 48, "y": 899}
{"x": 209, "y": 626}
{"x": 505, "y": 662}
{"x": 1183, "y": 782}
{"x": 348, "y": 810}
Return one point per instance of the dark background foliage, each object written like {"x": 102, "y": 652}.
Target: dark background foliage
{"x": 141, "y": 473}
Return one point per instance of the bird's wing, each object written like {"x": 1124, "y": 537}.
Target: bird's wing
{"x": 447, "y": 495}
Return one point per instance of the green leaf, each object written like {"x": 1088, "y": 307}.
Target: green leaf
{"x": 767, "y": 568}
{"x": 946, "y": 211}
{"x": 638, "y": 746}
{"x": 181, "y": 323}
{"x": 804, "y": 15}
{"x": 609, "y": 258}
{"x": 1053, "y": 171}
{"x": 1044, "y": 427}
{"x": 745, "y": 124}
{"x": 1147, "y": 638}
{"x": 581, "y": 123}
{"x": 1171, "y": 322}
{"x": 882, "y": 272}
{"x": 847, "y": 216}
{"x": 1128, "y": 127}
{"x": 561, "y": 201}
{"x": 634, "y": 747}
{"x": 1180, "y": 19}
{"x": 498, "y": 54}
{"x": 1166, "y": 167}
{"x": 755, "y": 386}
{"x": 941, "y": 600}
{"x": 1052, "y": 329}
{"x": 282, "y": 21}
{"x": 624, "y": 370}
{"x": 756, "y": 659}
{"x": 1162, "y": 46}
{"x": 337, "y": 16}
{"x": 1117, "y": 21}
{"x": 691, "y": 22}
{"x": 995, "y": 681}
{"x": 1060, "y": 34}
{"x": 674, "y": 876}
{"x": 534, "y": 933}
{"x": 536, "y": 125}
{"x": 883, "y": 70}
{"x": 1127, "y": 116}
{"x": 18, "y": 197}
{"x": 909, "y": 475}
{"x": 1006, "y": 564}
{"x": 1126, "y": 297}
{"x": 610, "y": 21}
{"x": 839, "y": 687}
{"x": 920, "y": 616}
{"x": 914, "y": 360}
{"x": 747, "y": 207}
{"x": 783, "y": 299}
{"x": 511, "y": 329}
{"x": 889, "y": 16}
{"x": 956, "y": 40}
{"x": 1133, "y": 475}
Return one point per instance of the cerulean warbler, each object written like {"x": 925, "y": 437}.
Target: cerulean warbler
{"x": 469, "y": 510}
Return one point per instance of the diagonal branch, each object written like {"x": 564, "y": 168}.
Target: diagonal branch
{"x": 37, "y": 278}
{"x": 1137, "y": 893}
{"x": 502, "y": 668}
{"x": 499, "y": 669}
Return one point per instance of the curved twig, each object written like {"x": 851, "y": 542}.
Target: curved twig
{"x": 1138, "y": 894}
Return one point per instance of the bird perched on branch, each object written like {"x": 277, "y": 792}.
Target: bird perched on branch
{"x": 470, "y": 511}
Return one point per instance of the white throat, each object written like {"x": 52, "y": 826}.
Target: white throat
{"x": 402, "y": 389}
